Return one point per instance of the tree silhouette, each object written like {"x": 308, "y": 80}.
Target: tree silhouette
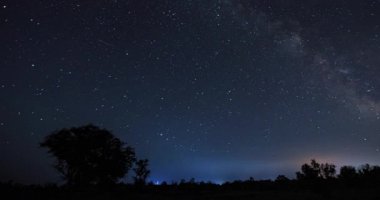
{"x": 369, "y": 174}
{"x": 347, "y": 173}
{"x": 309, "y": 172}
{"x": 141, "y": 172}
{"x": 328, "y": 171}
{"x": 89, "y": 155}
{"x": 316, "y": 171}
{"x": 365, "y": 171}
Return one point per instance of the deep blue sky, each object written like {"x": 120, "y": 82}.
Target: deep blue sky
{"x": 216, "y": 90}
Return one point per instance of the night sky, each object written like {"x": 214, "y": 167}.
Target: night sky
{"x": 212, "y": 89}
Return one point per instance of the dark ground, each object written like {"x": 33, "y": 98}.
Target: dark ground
{"x": 238, "y": 190}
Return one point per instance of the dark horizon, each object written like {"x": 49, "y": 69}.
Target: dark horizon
{"x": 158, "y": 181}
{"x": 214, "y": 90}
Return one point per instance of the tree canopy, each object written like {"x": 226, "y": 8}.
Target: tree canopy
{"x": 89, "y": 155}
{"x": 315, "y": 170}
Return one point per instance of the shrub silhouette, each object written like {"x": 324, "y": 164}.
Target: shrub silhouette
{"x": 141, "y": 172}
{"x": 89, "y": 155}
{"x": 282, "y": 179}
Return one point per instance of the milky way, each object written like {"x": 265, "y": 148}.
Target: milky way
{"x": 216, "y": 90}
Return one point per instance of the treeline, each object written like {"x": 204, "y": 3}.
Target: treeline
{"x": 313, "y": 181}
{"x": 96, "y": 157}
{"x": 310, "y": 173}
{"x": 96, "y": 161}
{"x": 365, "y": 175}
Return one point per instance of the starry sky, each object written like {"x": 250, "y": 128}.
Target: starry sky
{"x": 216, "y": 90}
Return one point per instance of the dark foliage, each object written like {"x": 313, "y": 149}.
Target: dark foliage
{"x": 89, "y": 155}
{"x": 315, "y": 171}
{"x": 348, "y": 174}
{"x": 282, "y": 179}
{"x": 141, "y": 172}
